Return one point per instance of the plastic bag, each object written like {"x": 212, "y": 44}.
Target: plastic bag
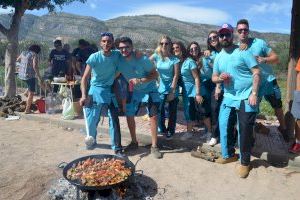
{"x": 64, "y": 91}
{"x": 68, "y": 112}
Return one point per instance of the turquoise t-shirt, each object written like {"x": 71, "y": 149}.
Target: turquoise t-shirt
{"x": 207, "y": 68}
{"x": 104, "y": 68}
{"x": 138, "y": 68}
{"x": 259, "y": 47}
{"x": 188, "y": 80}
{"x": 238, "y": 64}
{"x": 165, "y": 68}
{"x": 103, "y": 72}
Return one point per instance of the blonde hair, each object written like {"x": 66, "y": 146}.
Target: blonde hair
{"x": 158, "y": 48}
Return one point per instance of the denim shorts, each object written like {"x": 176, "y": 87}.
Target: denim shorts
{"x": 30, "y": 84}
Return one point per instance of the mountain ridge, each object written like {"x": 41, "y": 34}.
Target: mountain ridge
{"x": 145, "y": 30}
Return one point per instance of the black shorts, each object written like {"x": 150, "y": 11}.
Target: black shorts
{"x": 204, "y": 109}
{"x": 275, "y": 98}
{"x": 30, "y": 84}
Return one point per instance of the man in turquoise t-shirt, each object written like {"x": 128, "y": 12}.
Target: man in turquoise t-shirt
{"x": 239, "y": 73}
{"x": 102, "y": 68}
{"x": 264, "y": 56}
{"x": 141, "y": 74}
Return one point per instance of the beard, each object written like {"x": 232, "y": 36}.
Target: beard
{"x": 226, "y": 43}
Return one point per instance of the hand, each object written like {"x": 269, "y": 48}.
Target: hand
{"x": 225, "y": 77}
{"x": 170, "y": 96}
{"x": 260, "y": 59}
{"x": 243, "y": 46}
{"x": 135, "y": 81}
{"x": 217, "y": 92}
{"x": 252, "y": 100}
{"x": 84, "y": 101}
{"x": 199, "y": 99}
{"x": 206, "y": 53}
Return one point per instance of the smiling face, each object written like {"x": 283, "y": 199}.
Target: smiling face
{"x": 125, "y": 49}
{"x": 177, "y": 50}
{"x": 213, "y": 39}
{"x": 165, "y": 45}
{"x": 194, "y": 50}
{"x": 106, "y": 43}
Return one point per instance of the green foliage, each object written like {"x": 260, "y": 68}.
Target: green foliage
{"x": 282, "y": 50}
{"x": 38, "y": 4}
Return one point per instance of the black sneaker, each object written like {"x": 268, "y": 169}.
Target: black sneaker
{"x": 131, "y": 147}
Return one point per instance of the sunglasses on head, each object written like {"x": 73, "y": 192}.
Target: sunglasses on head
{"x": 227, "y": 35}
{"x": 211, "y": 38}
{"x": 107, "y": 34}
{"x": 245, "y": 30}
{"x": 164, "y": 43}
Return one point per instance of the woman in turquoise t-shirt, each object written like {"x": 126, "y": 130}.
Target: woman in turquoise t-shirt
{"x": 190, "y": 86}
{"x": 167, "y": 66}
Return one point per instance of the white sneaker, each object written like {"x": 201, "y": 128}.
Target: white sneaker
{"x": 186, "y": 136}
{"x": 213, "y": 142}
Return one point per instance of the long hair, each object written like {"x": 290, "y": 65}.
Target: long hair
{"x": 183, "y": 50}
{"x": 209, "y": 46}
{"x": 158, "y": 48}
{"x": 198, "y": 57}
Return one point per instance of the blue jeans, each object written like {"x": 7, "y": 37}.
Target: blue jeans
{"x": 93, "y": 117}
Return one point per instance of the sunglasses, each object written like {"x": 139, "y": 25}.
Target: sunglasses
{"x": 124, "y": 48}
{"x": 212, "y": 38}
{"x": 164, "y": 43}
{"x": 227, "y": 35}
{"x": 194, "y": 49}
{"x": 245, "y": 30}
{"x": 107, "y": 34}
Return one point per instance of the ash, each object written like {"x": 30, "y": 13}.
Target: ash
{"x": 138, "y": 187}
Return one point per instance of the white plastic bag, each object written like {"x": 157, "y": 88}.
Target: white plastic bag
{"x": 64, "y": 91}
{"x": 68, "y": 112}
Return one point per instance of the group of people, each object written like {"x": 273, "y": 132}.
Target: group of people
{"x": 228, "y": 80}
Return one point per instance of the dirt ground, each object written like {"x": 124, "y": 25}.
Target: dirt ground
{"x": 30, "y": 152}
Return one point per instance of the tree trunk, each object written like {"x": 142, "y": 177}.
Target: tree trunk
{"x": 294, "y": 55}
{"x": 10, "y": 64}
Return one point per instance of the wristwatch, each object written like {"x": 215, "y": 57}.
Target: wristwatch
{"x": 254, "y": 93}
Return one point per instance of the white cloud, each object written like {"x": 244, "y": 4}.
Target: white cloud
{"x": 93, "y": 6}
{"x": 181, "y": 12}
{"x": 281, "y": 7}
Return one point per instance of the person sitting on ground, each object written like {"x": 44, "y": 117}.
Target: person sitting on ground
{"x": 141, "y": 73}
{"x": 296, "y": 113}
{"x": 29, "y": 72}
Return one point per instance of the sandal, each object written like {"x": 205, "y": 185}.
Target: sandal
{"x": 28, "y": 112}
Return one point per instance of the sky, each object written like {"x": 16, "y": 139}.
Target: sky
{"x": 263, "y": 15}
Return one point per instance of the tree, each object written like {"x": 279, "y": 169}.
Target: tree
{"x": 12, "y": 33}
{"x": 294, "y": 56}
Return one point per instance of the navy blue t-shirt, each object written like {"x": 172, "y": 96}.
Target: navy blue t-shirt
{"x": 59, "y": 61}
